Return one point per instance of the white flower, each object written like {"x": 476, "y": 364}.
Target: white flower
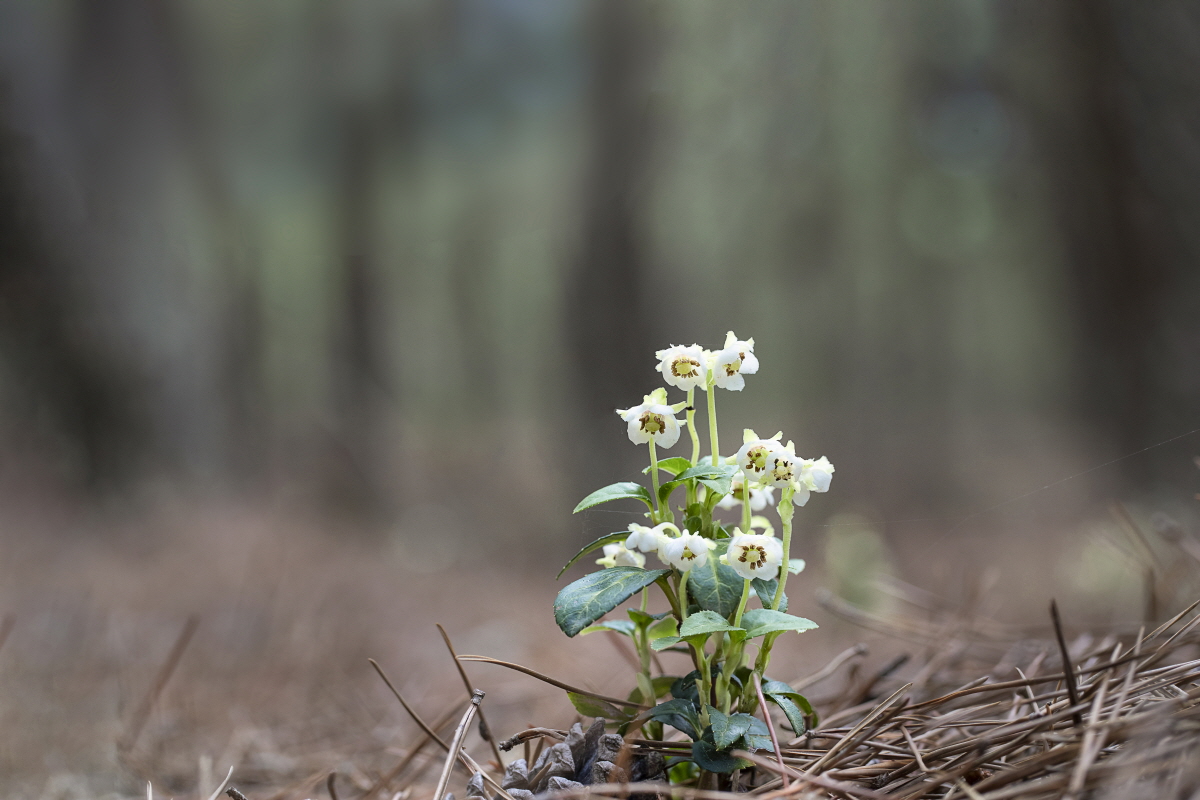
{"x": 687, "y": 551}
{"x": 816, "y": 475}
{"x": 650, "y": 540}
{"x": 753, "y": 555}
{"x": 754, "y": 457}
{"x": 784, "y": 467}
{"x": 653, "y": 419}
{"x": 760, "y": 496}
{"x": 729, "y": 364}
{"x": 617, "y": 555}
{"x": 683, "y": 366}
{"x": 643, "y": 538}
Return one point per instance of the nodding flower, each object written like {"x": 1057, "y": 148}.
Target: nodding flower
{"x": 617, "y": 555}
{"x": 754, "y": 457}
{"x": 649, "y": 540}
{"x": 754, "y": 555}
{"x": 760, "y": 496}
{"x": 653, "y": 420}
{"x": 686, "y": 551}
{"x": 684, "y": 367}
{"x": 731, "y": 362}
{"x": 817, "y": 474}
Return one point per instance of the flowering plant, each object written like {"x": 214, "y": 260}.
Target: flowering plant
{"x": 709, "y": 568}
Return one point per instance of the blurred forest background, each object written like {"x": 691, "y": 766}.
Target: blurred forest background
{"x": 383, "y": 269}
{"x": 397, "y": 262}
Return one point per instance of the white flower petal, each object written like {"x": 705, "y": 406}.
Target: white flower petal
{"x": 754, "y": 555}
{"x": 688, "y": 551}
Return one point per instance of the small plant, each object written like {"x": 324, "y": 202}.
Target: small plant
{"x": 710, "y": 569}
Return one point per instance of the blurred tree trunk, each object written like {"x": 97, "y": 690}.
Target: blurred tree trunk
{"x": 1123, "y": 177}
{"x": 75, "y": 401}
{"x": 611, "y": 353}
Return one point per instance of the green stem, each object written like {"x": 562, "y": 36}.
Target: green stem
{"x": 786, "y": 511}
{"x": 712, "y": 422}
{"x": 654, "y": 480}
{"x": 683, "y": 601}
{"x": 737, "y": 617}
{"x": 691, "y": 424}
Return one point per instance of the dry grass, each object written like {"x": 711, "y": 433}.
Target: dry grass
{"x": 274, "y": 678}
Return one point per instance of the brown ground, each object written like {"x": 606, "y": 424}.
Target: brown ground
{"x": 275, "y": 681}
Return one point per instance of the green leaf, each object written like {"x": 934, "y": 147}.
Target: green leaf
{"x": 727, "y": 729}
{"x": 625, "y": 490}
{"x": 667, "y": 626}
{"x": 663, "y": 642}
{"x": 761, "y": 621}
{"x": 795, "y": 705}
{"x": 685, "y": 688}
{"x": 757, "y": 737}
{"x": 679, "y": 714}
{"x": 665, "y": 490}
{"x": 766, "y": 592}
{"x": 703, "y": 623}
{"x": 796, "y": 566}
{"x": 608, "y": 538}
{"x": 618, "y": 625}
{"x": 707, "y": 471}
{"x": 592, "y": 596}
{"x": 719, "y": 479}
{"x": 712, "y": 759}
{"x": 672, "y": 466}
{"x": 715, "y": 586}
{"x": 791, "y": 710}
{"x": 592, "y": 707}
{"x": 641, "y": 618}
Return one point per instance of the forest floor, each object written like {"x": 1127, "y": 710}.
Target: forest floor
{"x": 171, "y": 650}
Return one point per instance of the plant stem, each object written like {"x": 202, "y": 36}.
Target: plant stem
{"x": 691, "y": 424}
{"x": 683, "y": 601}
{"x": 786, "y": 511}
{"x": 737, "y": 617}
{"x": 712, "y": 421}
{"x": 654, "y": 480}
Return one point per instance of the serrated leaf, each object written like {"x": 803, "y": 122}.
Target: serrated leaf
{"x": 626, "y": 490}
{"x": 761, "y": 621}
{"x": 617, "y": 625}
{"x": 719, "y": 479}
{"x": 707, "y": 471}
{"x": 766, "y": 592}
{"x": 679, "y": 714}
{"x": 607, "y": 538}
{"x": 708, "y": 757}
{"x": 727, "y": 728}
{"x": 757, "y": 737}
{"x": 672, "y": 466}
{"x": 592, "y": 596}
{"x": 592, "y": 707}
{"x": 705, "y": 622}
{"x": 663, "y": 642}
{"x": 715, "y": 586}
